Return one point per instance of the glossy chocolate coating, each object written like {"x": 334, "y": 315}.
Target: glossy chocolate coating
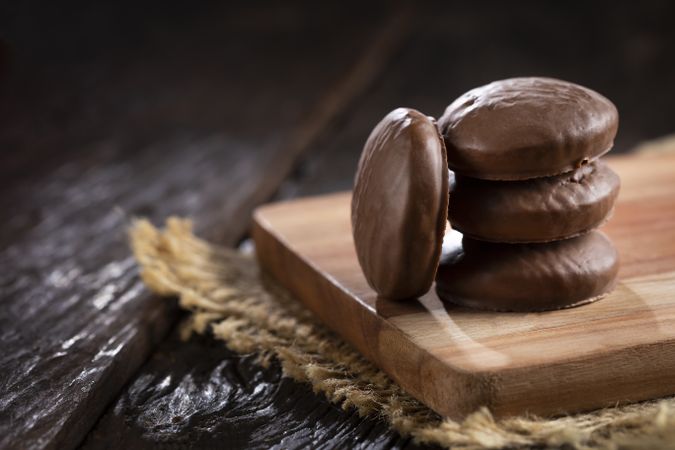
{"x": 400, "y": 204}
{"x": 528, "y": 277}
{"x": 536, "y": 210}
{"x": 526, "y": 128}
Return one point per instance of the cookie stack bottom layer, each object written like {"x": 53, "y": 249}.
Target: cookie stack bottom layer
{"x": 529, "y": 277}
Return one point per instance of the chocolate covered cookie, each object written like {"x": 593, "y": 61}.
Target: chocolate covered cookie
{"x": 534, "y": 210}
{"x": 526, "y": 128}
{"x": 400, "y": 204}
{"x": 528, "y": 277}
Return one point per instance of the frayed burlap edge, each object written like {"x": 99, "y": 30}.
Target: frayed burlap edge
{"x": 223, "y": 289}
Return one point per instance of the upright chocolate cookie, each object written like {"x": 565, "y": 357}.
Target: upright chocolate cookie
{"x": 535, "y": 210}
{"x": 528, "y": 277}
{"x": 526, "y": 128}
{"x": 400, "y": 204}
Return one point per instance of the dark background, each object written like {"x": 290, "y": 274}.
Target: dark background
{"x": 110, "y": 110}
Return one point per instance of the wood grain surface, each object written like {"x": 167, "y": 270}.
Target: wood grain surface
{"x": 618, "y": 350}
{"x": 205, "y": 109}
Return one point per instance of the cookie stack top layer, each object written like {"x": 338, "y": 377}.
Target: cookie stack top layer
{"x": 526, "y": 128}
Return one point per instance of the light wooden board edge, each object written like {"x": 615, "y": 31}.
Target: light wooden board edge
{"x": 461, "y": 392}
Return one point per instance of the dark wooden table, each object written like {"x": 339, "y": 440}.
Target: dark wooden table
{"x": 110, "y": 110}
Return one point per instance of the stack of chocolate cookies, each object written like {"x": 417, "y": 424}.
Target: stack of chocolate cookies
{"x": 525, "y": 187}
{"x": 527, "y": 192}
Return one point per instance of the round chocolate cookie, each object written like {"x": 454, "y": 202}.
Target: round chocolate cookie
{"x": 536, "y": 210}
{"x": 528, "y": 277}
{"x": 526, "y": 128}
{"x": 400, "y": 204}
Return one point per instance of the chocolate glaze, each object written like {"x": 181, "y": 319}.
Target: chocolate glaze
{"x": 526, "y": 128}
{"x": 528, "y": 277}
{"x": 536, "y": 210}
{"x": 400, "y": 204}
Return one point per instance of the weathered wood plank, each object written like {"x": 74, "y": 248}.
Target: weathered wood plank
{"x": 197, "y": 394}
{"x": 110, "y": 111}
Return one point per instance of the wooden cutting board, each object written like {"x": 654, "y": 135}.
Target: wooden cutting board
{"x": 618, "y": 350}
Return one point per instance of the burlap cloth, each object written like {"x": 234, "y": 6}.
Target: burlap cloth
{"x": 225, "y": 292}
